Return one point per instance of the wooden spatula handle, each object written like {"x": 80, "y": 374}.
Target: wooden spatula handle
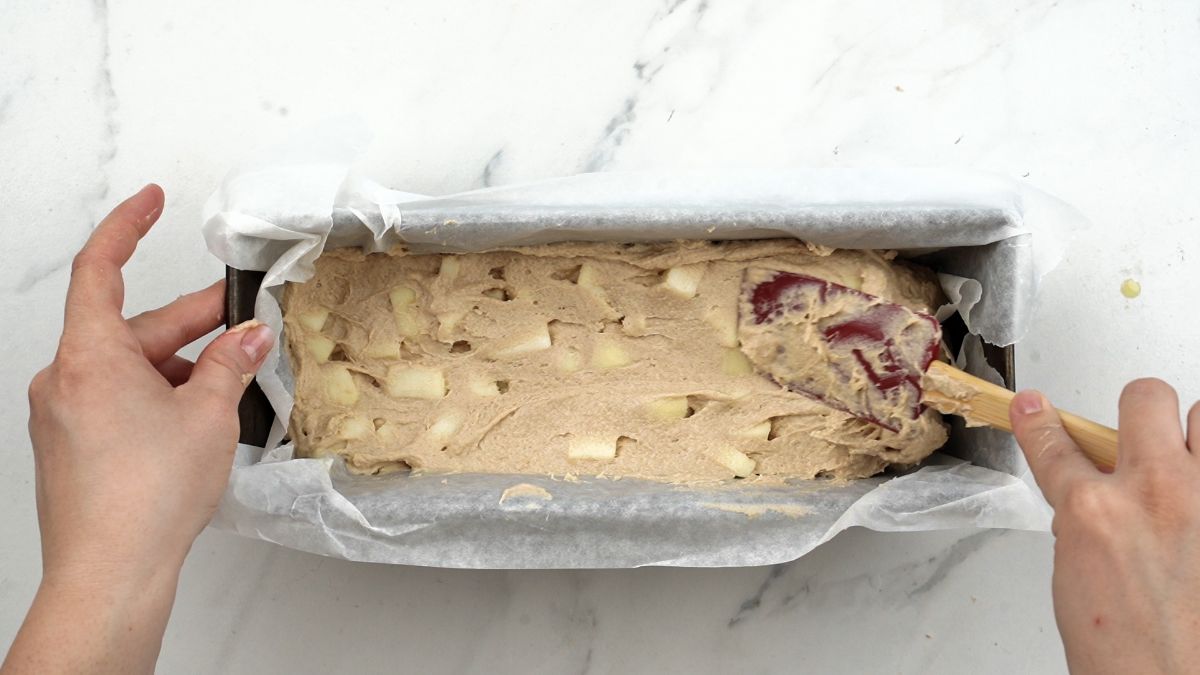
{"x": 988, "y": 404}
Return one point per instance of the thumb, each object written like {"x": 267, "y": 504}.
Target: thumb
{"x": 1055, "y": 459}
{"x": 229, "y": 362}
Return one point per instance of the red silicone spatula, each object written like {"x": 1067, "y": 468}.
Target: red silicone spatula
{"x": 873, "y": 359}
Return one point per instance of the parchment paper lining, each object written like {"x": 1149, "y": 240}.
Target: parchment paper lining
{"x": 991, "y": 238}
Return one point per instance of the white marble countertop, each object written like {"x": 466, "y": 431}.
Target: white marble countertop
{"x": 1093, "y": 101}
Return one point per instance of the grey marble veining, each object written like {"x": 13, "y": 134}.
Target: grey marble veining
{"x": 672, "y": 26}
{"x": 107, "y": 97}
{"x": 899, "y": 583}
{"x": 95, "y": 199}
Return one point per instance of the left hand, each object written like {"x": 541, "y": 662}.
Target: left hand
{"x": 133, "y": 444}
{"x": 132, "y": 450}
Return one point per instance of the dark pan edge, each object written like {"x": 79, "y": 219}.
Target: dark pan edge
{"x": 254, "y": 411}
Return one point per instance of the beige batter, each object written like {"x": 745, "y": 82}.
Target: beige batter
{"x": 525, "y": 490}
{"x": 786, "y": 340}
{"x": 951, "y": 397}
{"x": 588, "y": 359}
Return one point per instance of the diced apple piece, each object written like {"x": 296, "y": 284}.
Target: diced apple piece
{"x": 355, "y": 427}
{"x": 382, "y": 349}
{"x": 403, "y": 300}
{"x": 447, "y": 322}
{"x": 415, "y": 382}
{"x": 449, "y": 269}
{"x": 402, "y": 297}
{"x": 446, "y": 425}
{"x": 320, "y": 347}
{"x": 669, "y": 408}
{"x": 724, "y": 322}
{"x": 406, "y": 322}
{"x": 684, "y": 280}
{"x": 590, "y": 448}
{"x": 760, "y": 431}
{"x": 314, "y": 319}
{"x": 339, "y": 385}
{"x": 569, "y": 361}
{"x": 483, "y": 386}
{"x": 634, "y": 324}
{"x": 589, "y": 276}
{"x": 735, "y": 461}
{"x": 536, "y": 339}
{"x": 735, "y": 363}
{"x": 608, "y": 354}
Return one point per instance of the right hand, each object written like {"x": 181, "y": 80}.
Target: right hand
{"x": 1127, "y": 549}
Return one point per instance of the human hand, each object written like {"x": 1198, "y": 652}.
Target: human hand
{"x": 1127, "y": 549}
{"x": 132, "y": 443}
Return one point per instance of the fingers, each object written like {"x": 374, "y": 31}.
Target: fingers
{"x": 1054, "y": 458}
{"x": 1193, "y": 432}
{"x": 164, "y": 331}
{"x": 96, "y": 286}
{"x": 229, "y": 362}
{"x": 175, "y": 369}
{"x": 1148, "y": 429}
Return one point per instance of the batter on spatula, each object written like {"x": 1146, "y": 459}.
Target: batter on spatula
{"x": 875, "y": 359}
{"x": 585, "y": 359}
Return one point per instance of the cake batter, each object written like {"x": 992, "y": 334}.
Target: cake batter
{"x": 589, "y": 359}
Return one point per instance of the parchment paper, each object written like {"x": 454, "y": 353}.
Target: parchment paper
{"x": 992, "y": 239}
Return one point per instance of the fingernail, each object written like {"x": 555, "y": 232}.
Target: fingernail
{"x": 257, "y": 341}
{"x": 154, "y": 212}
{"x": 1029, "y": 402}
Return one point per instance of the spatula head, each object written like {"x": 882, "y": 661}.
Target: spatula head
{"x": 853, "y": 351}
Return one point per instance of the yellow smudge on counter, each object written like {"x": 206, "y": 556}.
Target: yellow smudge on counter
{"x": 1130, "y": 288}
